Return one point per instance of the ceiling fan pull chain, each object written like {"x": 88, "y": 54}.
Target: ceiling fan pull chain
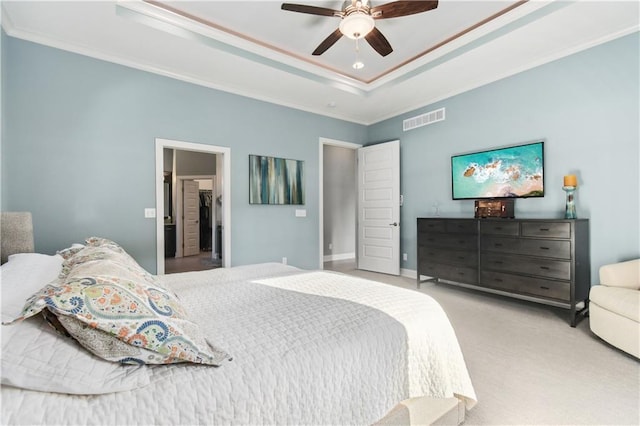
{"x": 358, "y": 64}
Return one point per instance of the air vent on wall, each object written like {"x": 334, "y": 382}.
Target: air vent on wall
{"x": 423, "y": 119}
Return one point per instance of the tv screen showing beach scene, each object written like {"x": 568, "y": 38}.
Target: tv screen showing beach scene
{"x": 509, "y": 172}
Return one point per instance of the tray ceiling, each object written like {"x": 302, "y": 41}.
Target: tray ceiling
{"x": 255, "y": 49}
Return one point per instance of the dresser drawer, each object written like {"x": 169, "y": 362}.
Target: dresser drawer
{"x": 538, "y": 287}
{"x": 500, "y": 228}
{"x": 531, "y": 247}
{"x": 431, "y": 225}
{"x": 500, "y": 245}
{"x": 462, "y": 226}
{"x": 451, "y": 257}
{"x": 450, "y": 241}
{"x": 546, "y": 268}
{"x": 546, "y": 229}
{"x": 450, "y": 272}
{"x": 546, "y": 248}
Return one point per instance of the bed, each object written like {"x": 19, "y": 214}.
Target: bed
{"x": 289, "y": 346}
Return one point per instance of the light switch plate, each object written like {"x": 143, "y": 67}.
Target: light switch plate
{"x": 149, "y": 213}
{"x": 301, "y": 213}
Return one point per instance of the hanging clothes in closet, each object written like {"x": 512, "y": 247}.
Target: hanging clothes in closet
{"x": 206, "y": 204}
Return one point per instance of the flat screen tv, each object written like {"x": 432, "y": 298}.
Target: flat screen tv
{"x": 508, "y": 172}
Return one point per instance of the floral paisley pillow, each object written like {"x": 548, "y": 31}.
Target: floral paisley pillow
{"x": 98, "y": 249}
{"x": 117, "y": 310}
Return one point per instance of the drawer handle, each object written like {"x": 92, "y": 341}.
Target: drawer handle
{"x": 461, "y": 257}
{"x": 461, "y": 273}
{"x": 498, "y": 228}
{"x": 498, "y": 262}
{"x": 544, "y": 229}
{"x": 545, "y": 268}
{"x": 544, "y": 248}
{"x": 461, "y": 241}
{"x": 498, "y": 280}
{"x": 497, "y": 245}
{"x": 544, "y": 288}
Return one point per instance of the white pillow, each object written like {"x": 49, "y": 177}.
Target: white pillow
{"x": 23, "y": 275}
{"x": 34, "y": 356}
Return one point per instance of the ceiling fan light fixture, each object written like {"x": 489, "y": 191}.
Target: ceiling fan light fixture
{"x": 356, "y": 25}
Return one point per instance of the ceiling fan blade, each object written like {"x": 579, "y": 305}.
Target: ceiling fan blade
{"x": 312, "y": 10}
{"x": 378, "y": 42}
{"x": 402, "y": 8}
{"x": 328, "y": 42}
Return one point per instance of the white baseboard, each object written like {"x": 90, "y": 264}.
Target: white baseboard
{"x": 343, "y": 256}
{"x": 409, "y": 273}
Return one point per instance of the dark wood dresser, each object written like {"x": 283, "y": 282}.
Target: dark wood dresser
{"x": 541, "y": 260}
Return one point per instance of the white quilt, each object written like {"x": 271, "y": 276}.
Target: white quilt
{"x": 307, "y": 347}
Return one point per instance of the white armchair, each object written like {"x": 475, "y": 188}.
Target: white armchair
{"x": 615, "y": 306}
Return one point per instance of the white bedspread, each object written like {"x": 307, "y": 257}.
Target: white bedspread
{"x": 308, "y": 348}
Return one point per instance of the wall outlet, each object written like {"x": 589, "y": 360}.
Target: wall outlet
{"x": 149, "y": 213}
{"x": 404, "y": 256}
{"x": 330, "y": 246}
{"x": 284, "y": 260}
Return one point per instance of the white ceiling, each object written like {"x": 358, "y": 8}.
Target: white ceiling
{"x": 255, "y": 49}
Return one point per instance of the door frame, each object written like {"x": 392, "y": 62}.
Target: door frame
{"x": 225, "y": 153}
{"x": 322, "y": 142}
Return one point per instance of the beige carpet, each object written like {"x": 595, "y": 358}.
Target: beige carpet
{"x": 528, "y": 366}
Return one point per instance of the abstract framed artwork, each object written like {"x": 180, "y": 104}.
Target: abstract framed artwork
{"x": 275, "y": 180}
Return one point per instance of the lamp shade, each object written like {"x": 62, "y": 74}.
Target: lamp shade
{"x": 356, "y": 25}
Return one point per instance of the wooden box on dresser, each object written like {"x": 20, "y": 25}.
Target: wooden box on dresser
{"x": 542, "y": 260}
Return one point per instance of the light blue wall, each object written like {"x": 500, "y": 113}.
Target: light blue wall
{"x": 78, "y": 151}
{"x": 585, "y": 106}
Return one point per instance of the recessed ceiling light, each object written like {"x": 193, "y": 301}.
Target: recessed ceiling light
{"x": 358, "y": 65}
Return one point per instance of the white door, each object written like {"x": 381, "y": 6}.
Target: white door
{"x": 379, "y": 208}
{"x": 191, "y": 218}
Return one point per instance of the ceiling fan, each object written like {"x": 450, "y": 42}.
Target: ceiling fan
{"x": 358, "y": 18}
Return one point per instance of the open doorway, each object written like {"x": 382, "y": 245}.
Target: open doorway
{"x": 338, "y": 211}
{"x": 192, "y": 234}
{"x": 182, "y": 223}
